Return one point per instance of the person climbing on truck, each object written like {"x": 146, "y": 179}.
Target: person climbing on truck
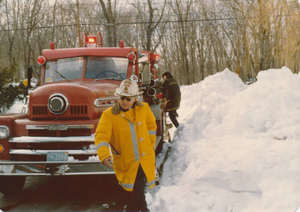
{"x": 129, "y": 128}
{"x": 172, "y": 96}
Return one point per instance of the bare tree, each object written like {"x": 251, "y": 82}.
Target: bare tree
{"x": 151, "y": 23}
{"x": 110, "y": 15}
{"x": 11, "y": 22}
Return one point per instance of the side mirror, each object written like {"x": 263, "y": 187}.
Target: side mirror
{"x": 146, "y": 74}
{"x": 33, "y": 82}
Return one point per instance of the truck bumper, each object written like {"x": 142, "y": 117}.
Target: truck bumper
{"x": 44, "y": 167}
{"x": 59, "y": 168}
{"x": 48, "y": 163}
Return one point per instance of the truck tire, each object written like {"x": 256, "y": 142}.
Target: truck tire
{"x": 11, "y": 185}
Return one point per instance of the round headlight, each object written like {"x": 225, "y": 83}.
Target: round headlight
{"x": 58, "y": 104}
{"x": 4, "y": 132}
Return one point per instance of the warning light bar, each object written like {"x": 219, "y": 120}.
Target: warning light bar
{"x": 92, "y": 41}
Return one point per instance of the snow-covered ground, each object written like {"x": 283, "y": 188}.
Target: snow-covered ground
{"x": 237, "y": 148}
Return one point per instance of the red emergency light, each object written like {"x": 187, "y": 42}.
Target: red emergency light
{"x": 156, "y": 57}
{"x": 41, "y": 60}
{"x": 131, "y": 57}
{"x": 91, "y": 39}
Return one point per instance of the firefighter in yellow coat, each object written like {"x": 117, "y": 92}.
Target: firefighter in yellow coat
{"x": 129, "y": 128}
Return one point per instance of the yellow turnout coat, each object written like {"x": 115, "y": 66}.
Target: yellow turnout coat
{"x": 132, "y": 136}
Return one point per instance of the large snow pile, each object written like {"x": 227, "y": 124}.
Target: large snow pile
{"x": 237, "y": 147}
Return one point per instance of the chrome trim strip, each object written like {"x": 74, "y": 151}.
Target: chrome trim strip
{"x": 96, "y": 102}
{"x": 108, "y": 98}
{"x": 44, "y": 152}
{"x": 10, "y": 162}
{"x": 64, "y": 174}
{"x": 31, "y": 139}
{"x": 32, "y": 168}
{"x": 59, "y": 127}
{"x": 107, "y": 105}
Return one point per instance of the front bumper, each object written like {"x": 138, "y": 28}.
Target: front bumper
{"x": 54, "y": 168}
{"x": 34, "y": 161}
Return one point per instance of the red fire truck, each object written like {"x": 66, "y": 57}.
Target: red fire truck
{"x": 55, "y": 135}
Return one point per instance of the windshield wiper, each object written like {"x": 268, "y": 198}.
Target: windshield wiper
{"x": 60, "y": 74}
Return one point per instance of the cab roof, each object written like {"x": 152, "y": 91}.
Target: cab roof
{"x": 50, "y": 54}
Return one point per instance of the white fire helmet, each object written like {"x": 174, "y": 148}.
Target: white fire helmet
{"x": 128, "y": 87}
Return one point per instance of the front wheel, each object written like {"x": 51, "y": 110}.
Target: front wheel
{"x": 11, "y": 185}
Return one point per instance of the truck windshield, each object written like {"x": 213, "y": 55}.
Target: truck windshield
{"x": 63, "y": 69}
{"x": 106, "y": 68}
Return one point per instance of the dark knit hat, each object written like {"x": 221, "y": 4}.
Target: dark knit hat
{"x": 166, "y": 73}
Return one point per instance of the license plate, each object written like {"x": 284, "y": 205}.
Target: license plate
{"x": 57, "y": 156}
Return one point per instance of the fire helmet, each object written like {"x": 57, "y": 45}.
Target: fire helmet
{"x": 128, "y": 87}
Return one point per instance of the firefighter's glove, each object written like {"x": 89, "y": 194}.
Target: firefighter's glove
{"x": 163, "y": 100}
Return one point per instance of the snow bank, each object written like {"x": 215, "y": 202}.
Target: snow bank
{"x": 237, "y": 147}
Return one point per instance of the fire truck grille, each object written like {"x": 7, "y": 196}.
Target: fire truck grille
{"x": 39, "y": 110}
{"x": 78, "y": 110}
{"x": 75, "y": 110}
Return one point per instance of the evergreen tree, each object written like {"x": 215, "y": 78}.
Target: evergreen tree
{"x": 8, "y": 92}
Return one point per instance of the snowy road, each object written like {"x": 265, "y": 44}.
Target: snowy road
{"x": 76, "y": 193}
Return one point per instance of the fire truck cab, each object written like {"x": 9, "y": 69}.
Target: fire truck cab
{"x": 54, "y": 135}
